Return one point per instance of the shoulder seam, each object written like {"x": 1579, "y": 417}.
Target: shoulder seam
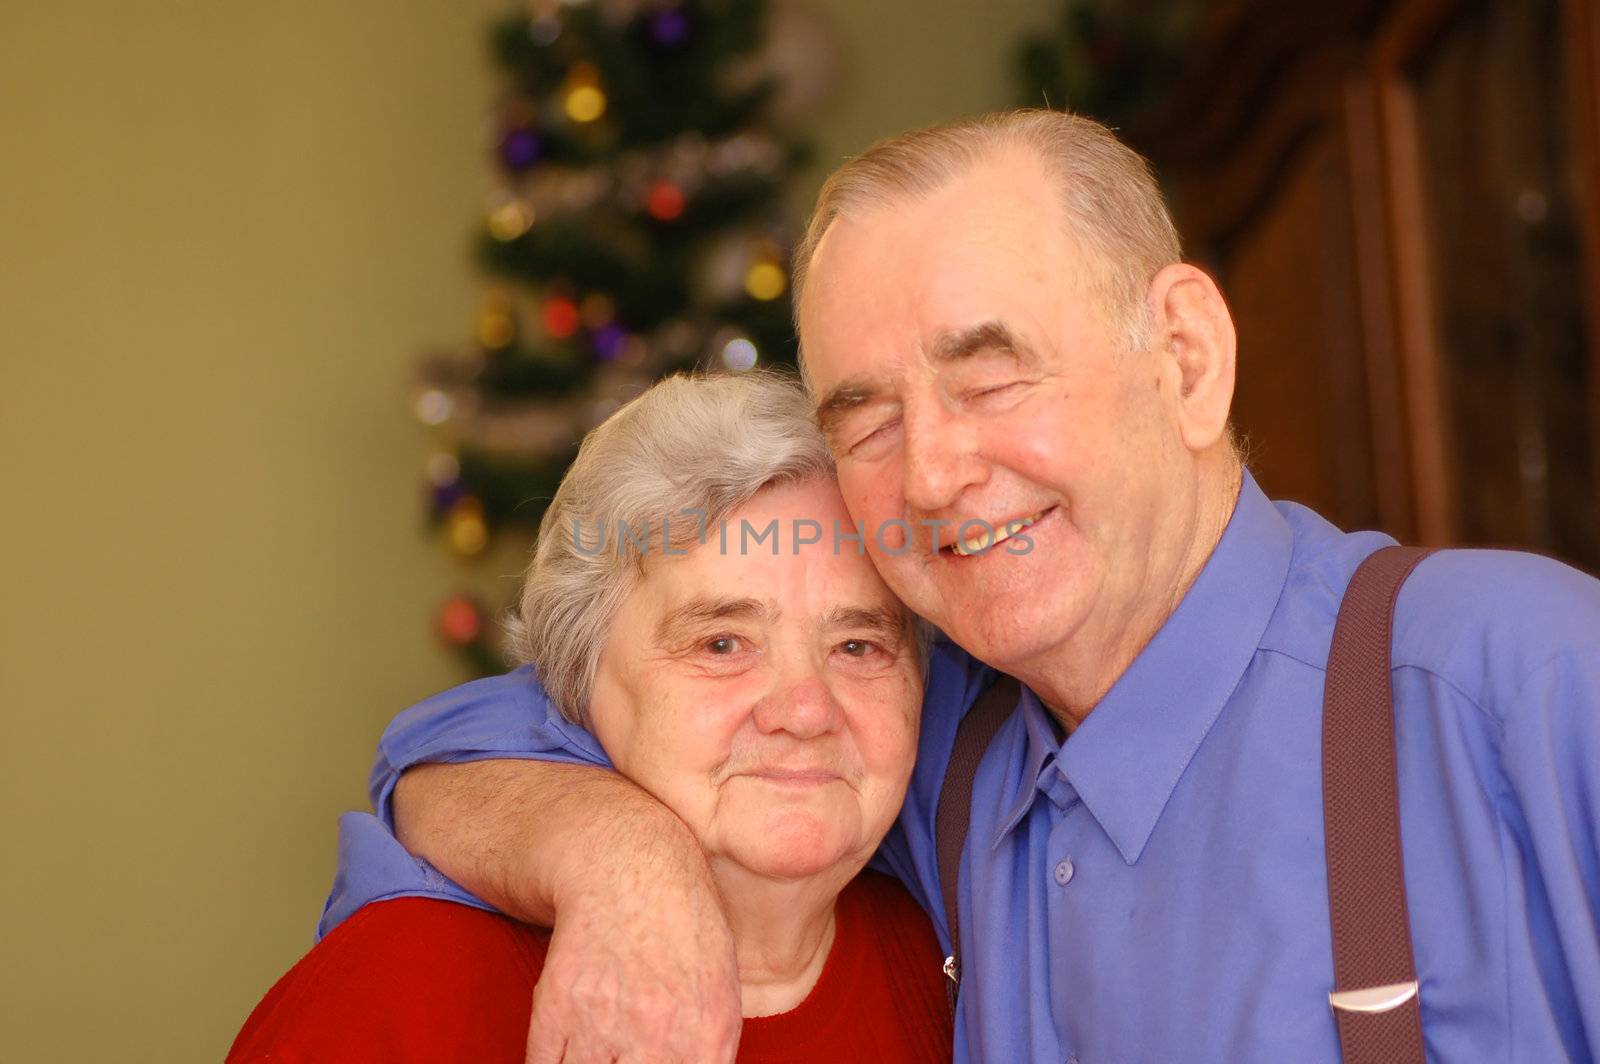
{"x": 1471, "y": 700}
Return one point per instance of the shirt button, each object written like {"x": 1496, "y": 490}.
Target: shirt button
{"x": 1064, "y": 872}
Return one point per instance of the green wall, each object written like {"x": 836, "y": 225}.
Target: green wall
{"x": 227, "y": 230}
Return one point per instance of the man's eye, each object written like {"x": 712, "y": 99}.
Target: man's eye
{"x": 858, "y": 648}
{"x": 723, "y": 645}
{"x": 877, "y": 435}
{"x": 991, "y": 390}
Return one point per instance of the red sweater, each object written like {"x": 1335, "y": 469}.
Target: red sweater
{"x": 426, "y": 981}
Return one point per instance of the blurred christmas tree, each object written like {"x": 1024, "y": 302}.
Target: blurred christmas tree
{"x": 638, "y": 228}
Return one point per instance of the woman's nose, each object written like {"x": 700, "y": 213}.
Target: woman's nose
{"x": 803, "y": 707}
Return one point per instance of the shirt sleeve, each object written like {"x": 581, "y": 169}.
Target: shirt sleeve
{"x": 909, "y": 852}
{"x": 505, "y": 716}
{"x": 497, "y": 717}
{"x": 1551, "y": 756}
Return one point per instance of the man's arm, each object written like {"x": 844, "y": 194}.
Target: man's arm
{"x": 641, "y": 963}
{"x": 519, "y": 806}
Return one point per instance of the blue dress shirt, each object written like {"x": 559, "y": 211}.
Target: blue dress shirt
{"x": 1154, "y": 889}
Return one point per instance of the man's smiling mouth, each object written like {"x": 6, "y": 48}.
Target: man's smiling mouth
{"x": 990, "y": 536}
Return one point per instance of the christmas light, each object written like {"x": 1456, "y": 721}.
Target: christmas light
{"x": 765, "y": 281}
{"x": 560, "y": 317}
{"x": 460, "y": 621}
{"x": 520, "y": 148}
{"x": 664, "y": 201}
{"x": 545, "y": 29}
{"x": 443, "y": 468}
{"x": 509, "y": 217}
{"x": 434, "y": 407}
{"x": 584, "y": 101}
{"x": 739, "y": 354}
{"x": 443, "y": 498}
{"x": 669, "y": 27}
{"x": 496, "y": 329}
{"x": 465, "y": 528}
{"x": 608, "y": 341}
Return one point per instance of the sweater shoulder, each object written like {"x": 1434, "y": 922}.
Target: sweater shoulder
{"x": 403, "y": 980}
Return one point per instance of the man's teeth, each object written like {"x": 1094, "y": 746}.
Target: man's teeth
{"x": 990, "y": 537}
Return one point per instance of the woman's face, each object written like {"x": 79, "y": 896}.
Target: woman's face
{"x": 767, "y": 692}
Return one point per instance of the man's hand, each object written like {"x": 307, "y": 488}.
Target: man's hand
{"x": 641, "y": 967}
{"x": 640, "y": 971}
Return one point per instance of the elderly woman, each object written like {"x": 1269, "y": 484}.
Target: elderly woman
{"x": 690, "y": 603}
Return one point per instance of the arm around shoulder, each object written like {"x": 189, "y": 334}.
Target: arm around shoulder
{"x": 641, "y": 957}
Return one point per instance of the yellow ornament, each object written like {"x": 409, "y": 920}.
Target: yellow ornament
{"x": 585, "y": 103}
{"x": 765, "y": 281}
{"x": 495, "y": 331}
{"x": 496, "y": 327}
{"x": 583, "y": 99}
{"x": 465, "y": 528}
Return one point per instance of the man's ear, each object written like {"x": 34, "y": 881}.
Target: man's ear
{"x": 1195, "y": 345}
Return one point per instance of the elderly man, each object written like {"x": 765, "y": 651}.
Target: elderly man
{"x": 999, "y": 334}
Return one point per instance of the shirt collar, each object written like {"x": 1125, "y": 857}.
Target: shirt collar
{"x": 1126, "y": 757}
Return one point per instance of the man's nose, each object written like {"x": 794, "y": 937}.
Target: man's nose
{"x": 801, "y": 706}
{"x": 940, "y": 459}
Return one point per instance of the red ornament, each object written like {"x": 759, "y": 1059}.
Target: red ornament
{"x": 460, "y": 621}
{"x": 560, "y": 317}
{"x": 664, "y": 201}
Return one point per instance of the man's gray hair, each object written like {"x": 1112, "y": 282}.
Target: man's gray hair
{"x": 1114, "y": 206}
{"x": 702, "y": 444}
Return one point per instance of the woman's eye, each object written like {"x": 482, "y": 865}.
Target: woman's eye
{"x": 857, "y": 648}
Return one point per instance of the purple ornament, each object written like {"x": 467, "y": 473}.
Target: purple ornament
{"x": 608, "y": 340}
{"x": 670, "y": 27}
{"x": 443, "y": 497}
{"x": 520, "y": 148}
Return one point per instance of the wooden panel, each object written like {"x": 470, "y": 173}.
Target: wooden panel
{"x": 1402, "y": 202}
{"x": 1489, "y": 271}
{"x": 1301, "y": 399}
{"x": 1374, "y": 279}
{"x": 1583, "y": 79}
{"x": 1432, "y": 474}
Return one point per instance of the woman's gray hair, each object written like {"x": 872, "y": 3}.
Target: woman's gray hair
{"x": 670, "y": 463}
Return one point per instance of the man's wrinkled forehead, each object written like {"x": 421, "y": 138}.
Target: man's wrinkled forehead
{"x": 932, "y": 264}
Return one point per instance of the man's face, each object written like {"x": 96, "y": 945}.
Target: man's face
{"x": 966, "y": 372}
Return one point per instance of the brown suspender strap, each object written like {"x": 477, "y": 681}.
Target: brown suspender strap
{"x": 973, "y": 735}
{"x": 1375, "y": 1001}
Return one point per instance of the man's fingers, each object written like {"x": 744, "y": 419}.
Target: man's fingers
{"x": 656, "y": 985}
{"x": 546, "y": 1042}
